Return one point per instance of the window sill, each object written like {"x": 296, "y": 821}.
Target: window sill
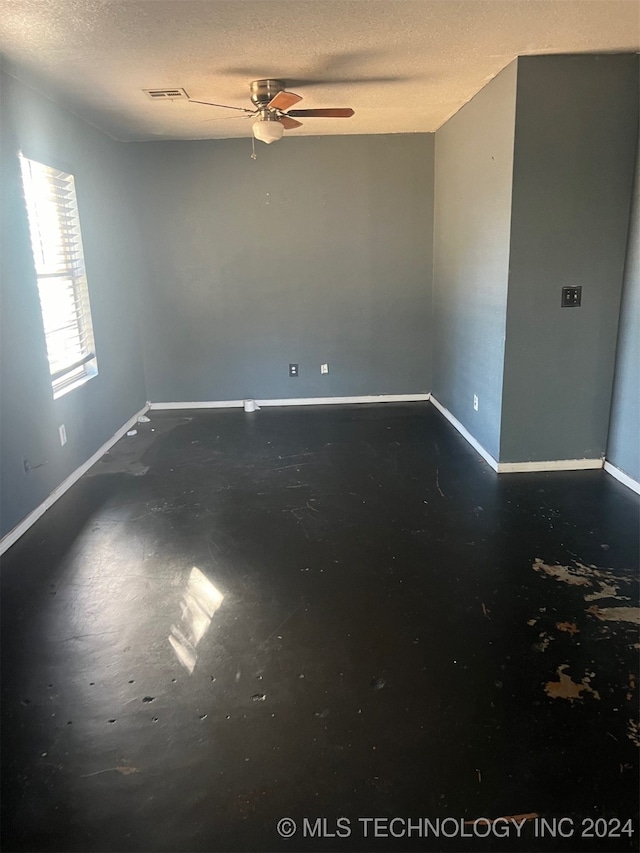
{"x": 71, "y": 387}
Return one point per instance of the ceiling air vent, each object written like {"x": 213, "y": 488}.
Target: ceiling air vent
{"x": 176, "y": 94}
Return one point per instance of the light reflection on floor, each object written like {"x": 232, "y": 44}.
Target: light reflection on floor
{"x": 200, "y": 600}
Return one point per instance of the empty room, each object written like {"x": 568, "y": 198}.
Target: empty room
{"x": 320, "y": 425}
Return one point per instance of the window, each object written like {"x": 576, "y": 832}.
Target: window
{"x": 62, "y": 284}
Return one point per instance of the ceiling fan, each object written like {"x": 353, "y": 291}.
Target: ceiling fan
{"x": 273, "y": 111}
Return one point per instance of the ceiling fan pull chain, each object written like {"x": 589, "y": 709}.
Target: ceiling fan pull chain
{"x": 254, "y": 156}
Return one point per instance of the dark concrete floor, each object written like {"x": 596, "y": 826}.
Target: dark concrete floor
{"x": 334, "y": 612}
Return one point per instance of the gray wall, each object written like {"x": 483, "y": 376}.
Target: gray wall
{"x": 623, "y": 449}
{"x": 319, "y": 251}
{"x": 29, "y": 415}
{"x": 473, "y": 168}
{"x": 575, "y": 143}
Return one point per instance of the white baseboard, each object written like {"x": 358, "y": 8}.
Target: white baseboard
{"x": 294, "y": 401}
{"x": 550, "y": 465}
{"x": 466, "y": 434}
{"x": 328, "y": 401}
{"x": 517, "y": 467}
{"x": 13, "y": 535}
{"x": 625, "y": 479}
{"x": 206, "y": 404}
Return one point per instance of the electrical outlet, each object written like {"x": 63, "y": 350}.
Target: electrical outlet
{"x": 63, "y": 434}
{"x": 475, "y": 402}
{"x": 293, "y": 370}
{"x": 571, "y": 297}
{"x": 324, "y": 368}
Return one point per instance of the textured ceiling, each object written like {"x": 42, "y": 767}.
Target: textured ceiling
{"x": 403, "y": 65}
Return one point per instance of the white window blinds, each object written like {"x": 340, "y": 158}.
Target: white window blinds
{"x": 62, "y": 284}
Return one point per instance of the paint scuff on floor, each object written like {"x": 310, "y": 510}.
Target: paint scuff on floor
{"x": 566, "y": 574}
{"x": 632, "y": 687}
{"x": 568, "y": 627}
{"x": 517, "y": 818}
{"x": 633, "y": 732}
{"x": 545, "y": 640}
{"x": 616, "y": 614}
{"x": 607, "y": 590}
{"x": 567, "y": 688}
{"x": 582, "y": 575}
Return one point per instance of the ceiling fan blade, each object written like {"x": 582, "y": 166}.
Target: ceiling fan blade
{"x": 227, "y": 118}
{"x": 289, "y": 123}
{"x": 224, "y": 106}
{"x": 283, "y": 100}
{"x": 335, "y": 113}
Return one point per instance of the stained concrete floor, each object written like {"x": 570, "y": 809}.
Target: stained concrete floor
{"x": 335, "y": 612}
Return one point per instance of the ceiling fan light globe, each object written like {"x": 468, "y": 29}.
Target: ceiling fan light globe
{"x": 268, "y": 130}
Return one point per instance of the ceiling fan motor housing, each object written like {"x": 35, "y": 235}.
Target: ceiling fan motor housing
{"x": 262, "y": 91}
{"x": 273, "y": 114}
